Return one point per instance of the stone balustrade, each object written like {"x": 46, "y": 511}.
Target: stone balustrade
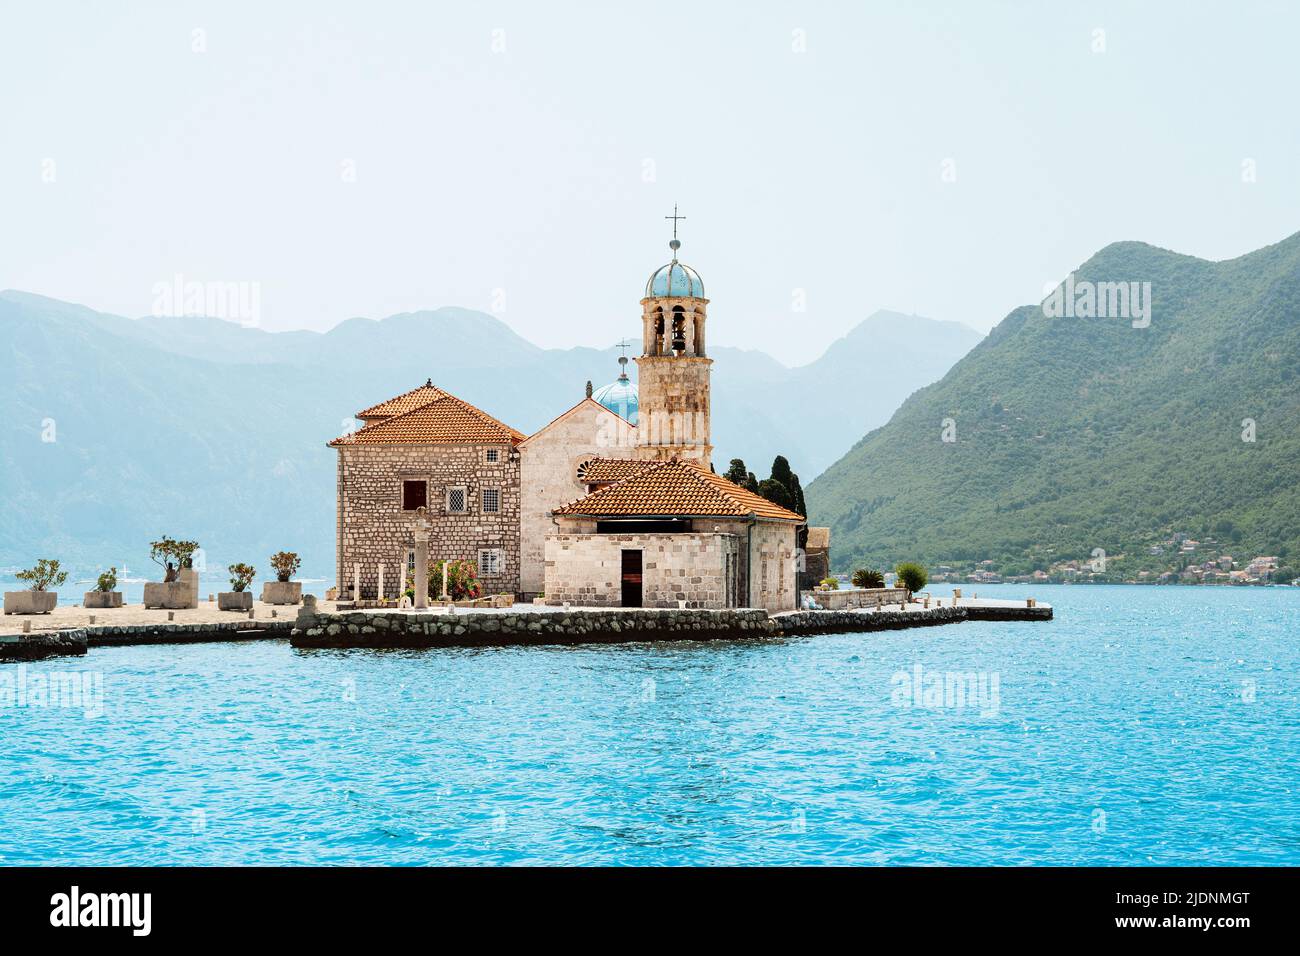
{"x": 858, "y": 597}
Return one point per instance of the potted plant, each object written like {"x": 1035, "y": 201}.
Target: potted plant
{"x": 180, "y": 584}
{"x": 38, "y": 598}
{"x": 104, "y": 595}
{"x": 911, "y": 576}
{"x": 282, "y": 590}
{"x": 240, "y": 598}
{"x": 868, "y": 578}
{"x": 828, "y": 584}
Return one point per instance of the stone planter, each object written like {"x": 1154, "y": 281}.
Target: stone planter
{"x": 177, "y": 595}
{"x": 102, "y": 599}
{"x": 282, "y": 592}
{"x": 190, "y": 577}
{"x": 235, "y": 601}
{"x": 30, "y": 602}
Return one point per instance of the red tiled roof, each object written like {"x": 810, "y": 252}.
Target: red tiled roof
{"x": 444, "y": 421}
{"x": 677, "y": 488}
{"x": 611, "y": 469}
{"x": 407, "y": 401}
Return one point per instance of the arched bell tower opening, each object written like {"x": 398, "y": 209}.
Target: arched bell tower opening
{"x": 673, "y": 369}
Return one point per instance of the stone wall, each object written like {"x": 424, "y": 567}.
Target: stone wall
{"x": 767, "y": 556}
{"x": 548, "y": 469}
{"x": 373, "y": 528}
{"x": 410, "y": 629}
{"x": 701, "y": 569}
{"x": 849, "y": 621}
{"x": 858, "y": 597}
{"x": 406, "y": 629}
{"x": 673, "y": 408}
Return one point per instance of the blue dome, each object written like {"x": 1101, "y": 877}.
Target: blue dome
{"x": 619, "y": 397}
{"x": 675, "y": 279}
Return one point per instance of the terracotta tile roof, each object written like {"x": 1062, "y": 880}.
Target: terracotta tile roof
{"x": 611, "y": 469}
{"x": 407, "y": 401}
{"x": 677, "y": 488}
{"x": 444, "y": 421}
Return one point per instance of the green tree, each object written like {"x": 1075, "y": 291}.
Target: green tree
{"x": 790, "y": 481}
{"x": 775, "y": 492}
{"x": 736, "y": 473}
{"x": 911, "y": 576}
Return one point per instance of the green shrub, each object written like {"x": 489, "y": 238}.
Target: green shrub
{"x": 830, "y": 584}
{"x": 868, "y": 578}
{"x": 107, "y": 581}
{"x": 241, "y": 576}
{"x": 911, "y": 576}
{"x": 45, "y": 575}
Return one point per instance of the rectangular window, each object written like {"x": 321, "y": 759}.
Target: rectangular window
{"x": 491, "y": 500}
{"x": 415, "y": 494}
{"x": 493, "y": 455}
{"x": 456, "y": 498}
{"x": 489, "y": 561}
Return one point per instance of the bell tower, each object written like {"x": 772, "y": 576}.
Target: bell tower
{"x": 673, "y": 368}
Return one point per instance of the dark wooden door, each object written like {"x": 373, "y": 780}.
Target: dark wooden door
{"x": 631, "y": 578}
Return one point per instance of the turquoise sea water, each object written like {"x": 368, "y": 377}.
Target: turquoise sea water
{"x": 1143, "y": 726}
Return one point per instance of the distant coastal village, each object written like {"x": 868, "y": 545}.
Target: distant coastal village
{"x": 1181, "y": 559}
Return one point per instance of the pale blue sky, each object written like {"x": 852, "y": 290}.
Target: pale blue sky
{"x": 523, "y": 170}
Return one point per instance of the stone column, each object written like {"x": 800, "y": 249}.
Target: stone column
{"x": 688, "y": 330}
{"x": 421, "y": 560}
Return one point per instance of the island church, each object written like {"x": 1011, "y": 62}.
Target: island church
{"x": 614, "y": 503}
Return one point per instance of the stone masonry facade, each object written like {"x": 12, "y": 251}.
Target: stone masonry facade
{"x": 374, "y": 529}
{"x": 549, "y": 462}
{"x": 700, "y": 569}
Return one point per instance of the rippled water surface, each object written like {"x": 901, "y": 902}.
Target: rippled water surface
{"x": 1142, "y": 726}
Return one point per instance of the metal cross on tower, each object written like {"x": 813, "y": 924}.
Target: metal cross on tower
{"x": 674, "y": 217}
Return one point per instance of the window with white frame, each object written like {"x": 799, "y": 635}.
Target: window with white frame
{"x": 457, "y": 500}
{"x": 490, "y": 561}
{"x": 493, "y": 455}
{"x": 491, "y": 500}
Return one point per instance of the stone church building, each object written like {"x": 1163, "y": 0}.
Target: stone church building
{"x": 613, "y": 503}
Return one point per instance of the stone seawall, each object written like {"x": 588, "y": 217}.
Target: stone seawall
{"x": 34, "y": 647}
{"x": 110, "y": 635}
{"x": 839, "y": 622}
{"x": 986, "y": 612}
{"x": 405, "y": 629}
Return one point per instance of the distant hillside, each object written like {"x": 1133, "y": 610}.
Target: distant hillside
{"x": 1081, "y": 433}
{"x": 206, "y": 429}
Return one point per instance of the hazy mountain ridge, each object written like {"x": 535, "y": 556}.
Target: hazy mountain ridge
{"x": 207, "y": 429}
{"x": 1081, "y": 433}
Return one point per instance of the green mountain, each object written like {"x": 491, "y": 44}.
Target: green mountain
{"x": 1078, "y": 433}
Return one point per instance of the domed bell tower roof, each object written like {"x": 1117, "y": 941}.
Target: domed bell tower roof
{"x": 620, "y": 396}
{"x": 675, "y": 280}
